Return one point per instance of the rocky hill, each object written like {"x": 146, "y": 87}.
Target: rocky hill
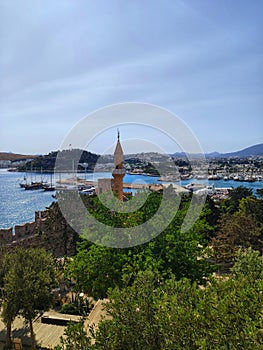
{"x": 15, "y": 156}
{"x": 66, "y": 158}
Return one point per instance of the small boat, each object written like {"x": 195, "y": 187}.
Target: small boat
{"x": 48, "y": 188}
{"x": 249, "y": 179}
{"x": 239, "y": 178}
{"x": 88, "y": 192}
{"x": 214, "y": 177}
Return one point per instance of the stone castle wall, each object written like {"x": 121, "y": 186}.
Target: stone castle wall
{"x": 48, "y": 231}
{"x": 6, "y": 234}
{"x": 24, "y": 230}
{"x": 21, "y": 231}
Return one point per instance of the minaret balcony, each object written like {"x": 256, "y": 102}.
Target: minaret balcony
{"x": 119, "y": 171}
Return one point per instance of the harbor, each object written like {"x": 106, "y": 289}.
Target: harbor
{"x": 18, "y": 205}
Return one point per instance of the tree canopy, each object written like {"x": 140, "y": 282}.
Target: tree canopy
{"x": 29, "y": 276}
{"x": 163, "y": 314}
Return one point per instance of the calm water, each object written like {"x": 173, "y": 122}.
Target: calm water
{"x": 18, "y": 206}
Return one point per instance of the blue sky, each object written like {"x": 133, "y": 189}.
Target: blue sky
{"x": 61, "y": 60}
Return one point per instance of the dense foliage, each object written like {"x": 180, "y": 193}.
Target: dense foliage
{"x": 162, "y": 293}
{"x": 221, "y": 229}
{"x": 240, "y": 226}
{"x": 28, "y": 278}
{"x": 96, "y": 268}
{"x": 163, "y": 314}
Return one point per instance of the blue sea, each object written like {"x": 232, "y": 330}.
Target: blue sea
{"x": 18, "y": 206}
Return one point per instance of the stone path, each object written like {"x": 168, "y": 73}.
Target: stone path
{"x": 48, "y": 335}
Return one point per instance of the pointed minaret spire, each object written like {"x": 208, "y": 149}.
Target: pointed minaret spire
{"x": 118, "y": 153}
{"x": 119, "y": 171}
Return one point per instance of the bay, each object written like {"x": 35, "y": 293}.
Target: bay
{"x": 18, "y": 206}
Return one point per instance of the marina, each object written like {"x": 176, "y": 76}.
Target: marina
{"x": 18, "y": 205}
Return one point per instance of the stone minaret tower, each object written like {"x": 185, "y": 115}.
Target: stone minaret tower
{"x": 119, "y": 171}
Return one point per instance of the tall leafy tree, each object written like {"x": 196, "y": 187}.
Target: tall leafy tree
{"x": 153, "y": 313}
{"x": 243, "y": 229}
{"x": 232, "y": 203}
{"x": 28, "y": 281}
{"x": 157, "y": 314}
{"x": 11, "y": 293}
{"x": 76, "y": 338}
{"x": 95, "y": 270}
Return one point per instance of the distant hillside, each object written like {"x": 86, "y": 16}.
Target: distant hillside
{"x": 15, "y": 156}
{"x": 252, "y": 151}
{"x": 256, "y": 150}
{"x": 47, "y": 162}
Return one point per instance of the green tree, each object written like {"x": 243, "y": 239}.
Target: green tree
{"x": 132, "y": 312}
{"x": 171, "y": 314}
{"x": 76, "y": 338}
{"x": 235, "y": 195}
{"x": 11, "y": 297}
{"x": 29, "y": 277}
{"x": 243, "y": 229}
{"x": 95, "y": 269}
{"x": 248, "y": 264}
{"x": 153, "y": 313}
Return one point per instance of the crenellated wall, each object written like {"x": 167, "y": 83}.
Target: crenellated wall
{"x": 6, "y": 234}
{"x": 11, "y": 234}
{"x": 27, "y": 229}
{"x": 49, "y": 231}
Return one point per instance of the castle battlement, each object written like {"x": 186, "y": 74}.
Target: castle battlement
{"x": 6, "y": 235}
{"x": 49, "y": 230}
{"x": 11, "y": 234}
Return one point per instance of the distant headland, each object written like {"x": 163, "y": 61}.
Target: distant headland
{"x": 46, "y": 163}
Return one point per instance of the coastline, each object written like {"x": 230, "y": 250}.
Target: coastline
{"x": 18, "y": 206}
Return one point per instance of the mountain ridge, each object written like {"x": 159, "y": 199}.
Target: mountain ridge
{"x": 255, "y": 150}
{"x": 251, "y": 151}
{"x": 15, "y": 156}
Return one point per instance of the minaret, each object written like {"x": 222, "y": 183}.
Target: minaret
{"x": 119, "y": 171}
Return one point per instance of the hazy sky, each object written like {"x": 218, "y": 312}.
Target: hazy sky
{"x": 62, "y": 59}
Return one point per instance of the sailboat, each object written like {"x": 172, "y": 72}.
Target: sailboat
{"x": 33, "y": 185}
{"x": 24, "y": 182}
{"x": 49, "y": 187}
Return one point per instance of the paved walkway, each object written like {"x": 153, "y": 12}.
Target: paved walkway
{"x": 46, "y": 335}
{"x": 97, "y": 313}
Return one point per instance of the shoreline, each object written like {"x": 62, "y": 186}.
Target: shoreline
{"x": 24, "y": 203}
